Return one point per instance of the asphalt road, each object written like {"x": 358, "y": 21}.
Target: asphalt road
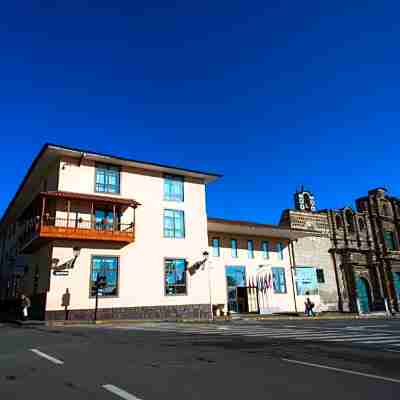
{"x": 201, "y": 361}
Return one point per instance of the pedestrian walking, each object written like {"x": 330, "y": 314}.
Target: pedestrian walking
{"x": 25, "y": 304}
{"x": 309, "y": 307}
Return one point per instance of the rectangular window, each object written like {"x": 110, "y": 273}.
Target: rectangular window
{"x": 279, "y": 281}
{"x": 174, "y": 224}
{"x": 320, "y": 275}
{"x": 234, "y": 250}
{"x": 105, "y": 266}
{"x": 107, "y": 179}
{"x": 265, "y": 249}
{"x": 175, "y": 277}
{"x": 390, "y": 240}
{"x": 173, "y": 188}
{"x": 215, "y": 247}
{"x": 279, "y": 250}
{"x": 306, "y": 281}
{"x": 250, "y": 249}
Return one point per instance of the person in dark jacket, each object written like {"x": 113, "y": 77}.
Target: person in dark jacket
{"x": 309, "y": 307}
{"x": 25, "y": 304}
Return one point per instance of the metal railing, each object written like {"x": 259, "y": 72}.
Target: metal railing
{"x": 80, "y": 223}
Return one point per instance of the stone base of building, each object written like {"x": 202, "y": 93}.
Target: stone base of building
{"x": 190, "y": 311}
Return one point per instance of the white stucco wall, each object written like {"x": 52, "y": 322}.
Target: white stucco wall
{"x": 276, "y": 302}
{"x": 141, "y": 270}
{"x": 313, "y": 251}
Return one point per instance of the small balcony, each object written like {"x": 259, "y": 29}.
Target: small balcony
{"x": 77, "y": 217}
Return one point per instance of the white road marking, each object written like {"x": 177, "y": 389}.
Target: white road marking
{"x": 360, "y": 337}
{"x": 388, "y": 339}
{"x": 119, "y": 392}
{"x": 366, "y": 326}
{"x": 346, "y": 371}
{"x": 47, "y": 357}
{"x": 393, "y": 351}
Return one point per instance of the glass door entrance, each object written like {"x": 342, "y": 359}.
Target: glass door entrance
{"x": 236, "y": 286}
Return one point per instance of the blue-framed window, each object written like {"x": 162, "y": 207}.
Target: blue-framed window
{"x": 306, "y": 281}
{"x": 107, "y": 179}
{"x": 215, "y": 247}
{"x": 279, "y": 250}
{"x": 175, "y": 277}
{"x": 174, "y": 224}
{"x": 279, "y": 281}
{"x": 173, "y": 188}
{"x": 105, "y": 266}
{"x": 265, "y": 249}
{"x": 234, "y": 248}
{"x": 250, "y": 249}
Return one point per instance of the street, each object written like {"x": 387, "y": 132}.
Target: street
{"x": 150, "y": 361}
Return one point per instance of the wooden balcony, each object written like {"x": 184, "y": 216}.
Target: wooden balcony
{"x": 63, "y": 229}
{"x": 39, "y": 230}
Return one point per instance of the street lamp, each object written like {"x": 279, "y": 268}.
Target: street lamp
{"x": 206, "y": 255}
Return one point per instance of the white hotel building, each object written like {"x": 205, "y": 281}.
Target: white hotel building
{"x": 79, "y": 214}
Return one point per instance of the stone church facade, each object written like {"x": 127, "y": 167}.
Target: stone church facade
{"x": 357, "y": 248}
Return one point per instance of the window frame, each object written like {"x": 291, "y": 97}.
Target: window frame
{"x": 279, "y": 250}
{"x": 234, "y": 249}
{"x": 393, "y": 239}
{"x": 320, "y": 272}
{"x": 168, "y": 259}
{"x": 181, "y": 212}
{"x": 284, "y": 280}
{"x": 109, "y": 167}
{"x": 218, "y": 248}
{"x": 92, "y": 257}
{"x": 174, "y": 178}
{"x": 265, "y": 251}
{"x": 250, "y": 248}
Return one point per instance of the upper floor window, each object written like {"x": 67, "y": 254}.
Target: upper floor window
{"x": 279, "y": 281}
{"x": 385, "y": 210}
{"x": 265, "y": 249}
{"x": 215, "y": 247}
{"x": 105, "y": 266}
{"x": 173, "y": 188}
{"x": 174, "y": 224}
{"x": 107, "y": 179}
{"x": 250, "y": 249}
{"x": 338, "y": 220}
{"x": 390, "y": 240}
{"x": 234, "y": 248}
{"x": 175, "y": 277}
{"x": 361, "y": 224}
{"x": 279, "y": 250}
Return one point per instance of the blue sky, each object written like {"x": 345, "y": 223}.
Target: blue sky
{"x": 270, "y": 94}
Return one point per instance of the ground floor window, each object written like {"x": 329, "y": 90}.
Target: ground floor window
{"x": 175, "y": 277}
{"x": 279, "y": 281}
{"x": 105, "y": 266}
{"x": 306, "y": 281}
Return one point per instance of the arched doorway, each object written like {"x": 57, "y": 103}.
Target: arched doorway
{"x": 363, "y": 294}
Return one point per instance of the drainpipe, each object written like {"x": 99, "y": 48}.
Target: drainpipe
{"x": 292, "y": 266}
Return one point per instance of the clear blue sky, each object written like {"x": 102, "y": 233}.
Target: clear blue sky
{"x": 272, "y": 94}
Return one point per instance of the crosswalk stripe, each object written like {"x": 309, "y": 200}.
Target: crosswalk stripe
{"x": 386, "y": 340}
{"x": 357, "y": 338}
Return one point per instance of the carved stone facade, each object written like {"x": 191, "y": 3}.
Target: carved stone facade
{"x": 364, "y": 249}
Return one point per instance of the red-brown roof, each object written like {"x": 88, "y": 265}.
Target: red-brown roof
{"x": 91, "y": 197}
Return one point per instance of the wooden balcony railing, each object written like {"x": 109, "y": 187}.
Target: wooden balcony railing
{"x": 49, "y": 228}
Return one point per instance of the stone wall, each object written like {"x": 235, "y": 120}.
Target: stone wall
{"x": 190, "y": 311}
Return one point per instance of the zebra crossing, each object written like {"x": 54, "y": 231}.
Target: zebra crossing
{"x": 378, "y": 337}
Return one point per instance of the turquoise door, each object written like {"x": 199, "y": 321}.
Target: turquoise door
{"x": 396, "y": 281}
{"x": 363, "y": 294}
{"x": 235, "y": 277}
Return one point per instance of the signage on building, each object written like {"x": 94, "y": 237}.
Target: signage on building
{"x": 60, "y": 273}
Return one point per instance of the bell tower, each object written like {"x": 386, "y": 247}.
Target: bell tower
{"x": 304, "y": 200}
